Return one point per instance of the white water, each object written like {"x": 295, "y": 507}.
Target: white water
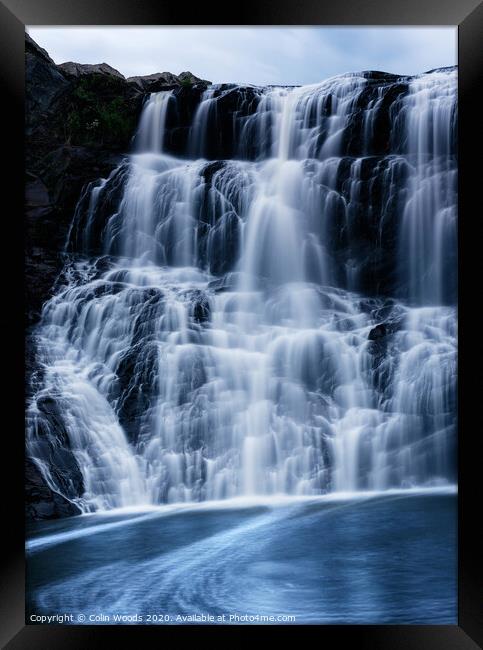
{"x": 429, "y": 229}
{"x": 172, "y": 391}
{"x": 150, "y": 134}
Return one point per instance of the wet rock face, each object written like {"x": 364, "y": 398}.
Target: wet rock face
{"x": 231, "y": 105}
{"x": 382, "y": 342}
{"x": 200, "y": 309}
{"x": 41, "y": 502}
{"x": 365, "y": 228}
{"x": 179, "y": 119}
{"x": 110, "y": 198}
{"x": 54, "y": 441}
{"x": 383, "y": 90}
{"x": 137, "y": 377}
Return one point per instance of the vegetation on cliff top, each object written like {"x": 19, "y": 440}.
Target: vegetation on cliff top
{"x": 97, "y": 114}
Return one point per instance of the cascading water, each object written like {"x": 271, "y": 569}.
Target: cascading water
{"x": 429, "y": 219}
{"x": 278, "y": 322}
{"x": 150, "y": 136}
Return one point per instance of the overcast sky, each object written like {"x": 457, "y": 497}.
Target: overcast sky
{"x": 257, "y": 55}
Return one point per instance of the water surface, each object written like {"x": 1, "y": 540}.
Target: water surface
{"x": 372, "y": 559}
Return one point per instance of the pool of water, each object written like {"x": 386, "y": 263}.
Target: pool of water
{"x": 370, "y": 559}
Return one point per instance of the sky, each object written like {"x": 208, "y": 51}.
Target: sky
{"x": 256, "y": 55}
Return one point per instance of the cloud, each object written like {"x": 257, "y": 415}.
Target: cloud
{"x": 258, "y": 55}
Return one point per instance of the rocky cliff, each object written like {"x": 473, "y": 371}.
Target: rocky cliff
{"x": 79, "y": 122}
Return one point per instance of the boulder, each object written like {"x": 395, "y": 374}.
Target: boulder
{"x": 161, "y": 78}
{"x": 188, "y": 78}
{"x": 72, "y": 69}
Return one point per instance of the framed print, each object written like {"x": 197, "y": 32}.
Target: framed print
{"x": 242, "y": 398}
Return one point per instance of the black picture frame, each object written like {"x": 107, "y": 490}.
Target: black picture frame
{"x": 468, "y": 16}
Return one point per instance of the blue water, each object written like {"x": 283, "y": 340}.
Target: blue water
{"x": 373, "y": 559}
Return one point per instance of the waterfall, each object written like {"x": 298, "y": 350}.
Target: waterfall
{"x": 150, "y": 136}
{"x": 429, "y": 219}
{"x": 280, "y": 320}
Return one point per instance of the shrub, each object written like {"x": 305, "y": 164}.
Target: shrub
{"x": 97, "y": 113}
